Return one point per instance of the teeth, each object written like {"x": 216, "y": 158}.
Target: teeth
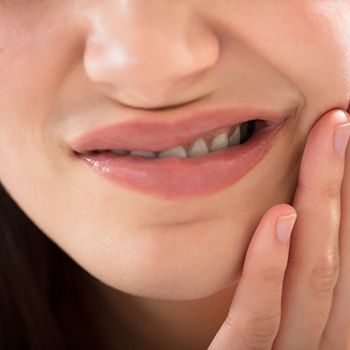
{"x": 120, "y": 152}
{"x": 198, "y": 148}
{"x": 235, "y": 137}
{"x": 146, "y": 154}
{"x": 219, "y": 142}
{"x": 178, "y": 151}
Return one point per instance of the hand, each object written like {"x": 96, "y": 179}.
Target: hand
{"x": 295, "y": 295}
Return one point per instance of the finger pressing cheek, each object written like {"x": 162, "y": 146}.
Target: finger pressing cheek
{"x": 313, "y": 266}
{"x": 337, "y": 332}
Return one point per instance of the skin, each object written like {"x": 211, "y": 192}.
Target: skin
{"x": 178, "y": 264}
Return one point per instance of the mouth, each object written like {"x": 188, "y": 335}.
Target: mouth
{"x": 214, "y": 141}
{"x": 190, "y": 163}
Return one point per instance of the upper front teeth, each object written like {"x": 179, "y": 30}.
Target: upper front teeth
{"x": 219, "y": 142}
{"x": 177, "y": 151}
{"x": 147, "y": 154}
{"x": 197, "y": 148}
{"x": 235, "y": 137}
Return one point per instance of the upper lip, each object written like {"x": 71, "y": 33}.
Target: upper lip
{"x": 156, "y": 135}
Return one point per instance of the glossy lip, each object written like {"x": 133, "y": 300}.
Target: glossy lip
{"x": 182, "y": 178}
{"x": 156, "y": 135}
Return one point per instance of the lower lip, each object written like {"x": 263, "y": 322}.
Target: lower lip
{"x": 179, "y": 178}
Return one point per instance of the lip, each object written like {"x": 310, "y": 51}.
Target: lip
{"x": 156, "y": 135}
{"x": 182, "y": 178}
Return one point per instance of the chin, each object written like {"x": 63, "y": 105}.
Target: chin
{"x": 185, "y": 263}
{"x": 171, "y": 289}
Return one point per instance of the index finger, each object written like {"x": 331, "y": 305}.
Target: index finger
{"x": 254, "y": 315}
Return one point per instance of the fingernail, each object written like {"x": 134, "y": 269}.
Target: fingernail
{"x": 341, "y": 138}
{"x": 284, "y": 227}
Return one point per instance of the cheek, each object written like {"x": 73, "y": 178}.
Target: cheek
{"x": 317, "y": 53}
{"x": 36, "y": 52}
{"x": 306, "y": 41}
{"x": 32, "y": 69}
{"x": 321, "y": 57}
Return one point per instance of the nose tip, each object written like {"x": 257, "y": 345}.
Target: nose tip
{"x": 147, "y": 64}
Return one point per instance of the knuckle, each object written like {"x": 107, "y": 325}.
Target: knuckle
{"x": 314, "y": 186}
{"x": 324, "y": 275}
{"x": 259, "y": 331}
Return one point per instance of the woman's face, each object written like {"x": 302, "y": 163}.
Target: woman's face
{"x": 67, "y": 67}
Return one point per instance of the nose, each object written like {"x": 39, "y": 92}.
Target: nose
{"x": 148, "y": 53}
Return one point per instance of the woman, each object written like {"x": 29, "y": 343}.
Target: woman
{"x": 244, "y": 106}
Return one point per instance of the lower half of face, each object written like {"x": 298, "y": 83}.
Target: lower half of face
{"x": 133, "y": 241}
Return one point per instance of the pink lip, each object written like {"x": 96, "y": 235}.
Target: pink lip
{"x": 158, "y": 134}
{"x": 179, "y": 178}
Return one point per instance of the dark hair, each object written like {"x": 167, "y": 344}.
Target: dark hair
{"x": 40, "y": 305}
